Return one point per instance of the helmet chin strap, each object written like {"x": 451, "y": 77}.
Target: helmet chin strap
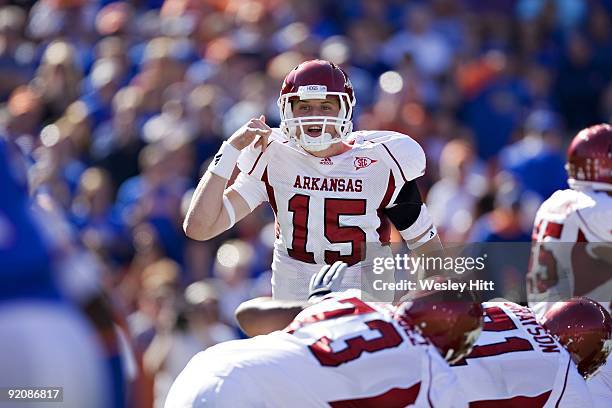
{"x": 324, "y": 142}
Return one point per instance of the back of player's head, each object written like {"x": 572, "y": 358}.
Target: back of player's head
{"x": 589, "y": 158}
{"x": 584, "y": 328}
{"x": 451, "y": 320}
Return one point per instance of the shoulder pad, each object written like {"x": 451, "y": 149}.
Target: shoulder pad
{"x": 404, "y": 156}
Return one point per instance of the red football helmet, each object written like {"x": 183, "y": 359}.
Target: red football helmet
{"x": 316, "y": 79}
{"x": 584, "y": 328}
{"x": 589, "y": 158}
{"x": 451, "y": 320}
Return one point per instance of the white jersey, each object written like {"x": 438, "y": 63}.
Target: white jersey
{"x": 572, "y": 230}
{"x": 327, "y": 209}
{"x": 340, "y": 352}
{"x": 517, "y": 363}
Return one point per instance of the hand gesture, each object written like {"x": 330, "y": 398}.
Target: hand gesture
{"x": 256, "y": 127}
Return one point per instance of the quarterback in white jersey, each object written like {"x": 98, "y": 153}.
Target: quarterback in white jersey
{"x": 572, "y": 254}
{"x": 339, "y": 352}
{"x": 332, "y": 190}
{"x": 517, "y": 363}
{"x": 328, "y": 209}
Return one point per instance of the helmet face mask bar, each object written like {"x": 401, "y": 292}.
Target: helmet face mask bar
{"x": 316, "y": 80}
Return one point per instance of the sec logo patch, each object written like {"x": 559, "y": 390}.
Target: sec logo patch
{"x": 362, "y": 162}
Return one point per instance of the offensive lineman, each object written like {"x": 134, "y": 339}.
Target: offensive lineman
{"x": 338, "y": 352}
{"x": 332, "y": 190}
{"x": 518, "y": 362}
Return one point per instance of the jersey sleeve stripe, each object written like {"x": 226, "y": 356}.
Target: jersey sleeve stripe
{"x": 519, "y": 401}
{"x": 430, "y": 382}
{"x": 395, "y": 397}
{"x": 553, "y": 229}
{"x": 259, "y": 157}
{"x": 269, "y": 190}
{"x": 564, "y": 383}
{"x": 396, "y": 162}
{"x": 384, "y": 229}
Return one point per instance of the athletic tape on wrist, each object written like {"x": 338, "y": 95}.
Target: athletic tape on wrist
{"x": 224, "y": 161}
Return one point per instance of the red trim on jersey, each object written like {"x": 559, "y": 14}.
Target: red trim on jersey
{"x": 581, "y": 237}
{"x": 520, "y": 401}
{"x": 259, "y": 157}
{"x": 430, "y": 382}
{"x": 358, "y": 307}
{"x": 536, "y": 231}
{"x": 395, "y": 397}
{"x": 269, "y": 190}
{"x": 396, "y": 162}
{"x": 586, "y": 226}
{"x": 564, "y": 383}
{"x": 553, "y": 229}
{"x": 384, "y": 229}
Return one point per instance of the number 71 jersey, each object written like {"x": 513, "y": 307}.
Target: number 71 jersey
{"x": 517, "y": 363}
{"x": 327, "y": 209}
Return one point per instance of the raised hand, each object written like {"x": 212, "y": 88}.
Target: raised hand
{"x": 256, "y": 127}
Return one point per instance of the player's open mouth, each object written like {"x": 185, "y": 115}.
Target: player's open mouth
{"x": 314, "y": 130}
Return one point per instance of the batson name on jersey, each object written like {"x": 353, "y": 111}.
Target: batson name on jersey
{"x": 340, "y": 352}
{"x": 327, "y": 209}
{"x": 517, "y": 363}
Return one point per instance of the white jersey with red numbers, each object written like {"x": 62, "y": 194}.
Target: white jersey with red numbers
{"x": 328, "y": 208}
{"x": 517, "y": 363}
{"x": 572, "y": 230}
{"x": 340, "y": 352}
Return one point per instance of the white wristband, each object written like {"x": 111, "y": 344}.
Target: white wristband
{"x": 224, "y": 161}
{"x": 229, "y": 208}
{"x": 428, "y": 236}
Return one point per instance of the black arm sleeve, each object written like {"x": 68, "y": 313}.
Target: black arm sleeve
{"x": 407, "y": 206}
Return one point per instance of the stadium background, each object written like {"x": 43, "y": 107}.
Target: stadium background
{"x": 118, "y": 106}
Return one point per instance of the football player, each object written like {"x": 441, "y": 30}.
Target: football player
{"x": 45, "y": 340}
{"x": 572, "y": 251}
{"x": 518, "y": 362}
{"x": 338, "y": 352}
{"x": 332, "y": 190}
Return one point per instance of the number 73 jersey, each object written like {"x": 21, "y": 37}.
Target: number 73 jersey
{"x": 327, "y": 209}
{"x": 517, "y": 363}
{"x": 340, "y": 352}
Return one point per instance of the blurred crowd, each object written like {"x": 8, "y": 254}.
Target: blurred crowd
{"x": 117, "y": 107}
